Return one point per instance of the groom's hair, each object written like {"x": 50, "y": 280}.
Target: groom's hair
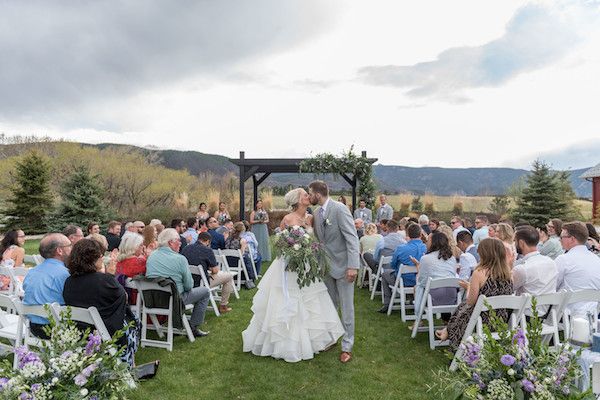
{"x": 319, "y": 187}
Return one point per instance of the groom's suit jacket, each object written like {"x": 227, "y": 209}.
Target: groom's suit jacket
{"x": 337, "y": 233}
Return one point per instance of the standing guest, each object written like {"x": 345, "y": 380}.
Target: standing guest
{"x": 236, "y": 242}
{"x": 535, "y": 274}
{"x": 167, "y": 262}
{"x": 402, "y": 256}
{"x": 73, "y": 233}
{"x": 437, "y": 263}
{"x": 469, "y": 258}
{"x": 369, "y": 240}
{"x": 44, "y": 284}
{"x": 87, "y": 286}
{"x": 386, "y": 246}
{"x": 253, "y": 250}
{"x": 180, "y": 226}
{"x": 93, "y": 227}
{"x": 434, "y": 224}
{"x": 492, "y": 230}
{"x": 191, "y": 234}
{"x": 129, "y": 228}
{"x": 131, "y": 261}
{"x": 218, "y": 240}
{"x": 201, "y": 254}
{"x": 155, "y": 221}
{"x": 159, "y": 229}
{"x": 578, "y": 268}
{"x": 491, "y": 278}
{"x": 481, "y": 223}
{"x": 363, "y": 212}
{"x": 506, "y": 234}
{"x": 113, "y": 235}
{"x": 222, "y": 215}
{"x": 259, "y": 218}
{"x": 549, "y": 245}
{"x": 593, "y": 239}
{"x": 456, "y": 224}
{"x": 385, "y": 211}
{"x": 226, "y": 229}
{"x": 359, "y": 225}
{"x": 468, "y": 224}
{"x": 424, "y": 222}
{"x": 202, "y": 215}
{"x": 15, "y": 241}
{"x": 150, "y": 240}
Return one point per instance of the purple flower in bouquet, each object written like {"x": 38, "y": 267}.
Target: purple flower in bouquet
{"x": 519, "y": 338}
{"x": 26, "y": 357}
{"x": 290, "y": 241}
{"x": 80, "y": 380}
{"x": 472, "y": 353}
{"x": 35, "y": 387}
{"x": 528, "y": 386}
{"x": 93, "y": 344}
{"x": 25, "y": 396}
{"x": 507, "y": 360}
{"x": 3, "y": 382}
{"x": 87, "y": 371}
{"x": 478, "y": 381}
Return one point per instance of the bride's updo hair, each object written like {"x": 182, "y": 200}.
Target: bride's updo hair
{"x": 292, "y": 198}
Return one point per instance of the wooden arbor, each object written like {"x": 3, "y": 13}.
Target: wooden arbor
{"x": 251, "y": 167}
{"x": 593, "y": 175}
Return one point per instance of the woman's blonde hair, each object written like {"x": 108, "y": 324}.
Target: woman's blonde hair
{"x": 446, "y": 230}
{"x": 493, "y": 259}
{"x": 149, "y": 234}
{"x": 505, "y": 232}
{"x": 370, "y": 229}
{"x": 292, "y": 198}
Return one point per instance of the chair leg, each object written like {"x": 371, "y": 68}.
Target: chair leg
{"x": 170, "y": 330}
{"x": 402, "y": 305}
{"x": 392, "y": 299}
{"x": 156, "y": 325}
{"x": 188, "y": 328}
{"x": 431, "y": 328}
{"x": 144, "y": 326}
{"x": 214, "y": 304}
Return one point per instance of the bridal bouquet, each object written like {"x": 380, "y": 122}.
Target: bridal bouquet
{"x": 72, "y": 365}
{"x": 516, "y": 365}
{"x": 304, "y": 255}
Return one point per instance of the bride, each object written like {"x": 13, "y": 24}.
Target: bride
{"x": 290, "y": 322}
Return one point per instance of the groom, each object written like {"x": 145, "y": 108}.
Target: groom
{"x": 334, "y": 228}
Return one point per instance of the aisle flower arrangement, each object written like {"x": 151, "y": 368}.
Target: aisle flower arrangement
{"x": 515, "y": 365}
{"x": 304, "y": 254}
{"x": 74, "y": 364}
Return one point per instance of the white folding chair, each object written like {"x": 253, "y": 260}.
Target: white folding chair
{"x": 382, "y": 261}
{"x": 551, "y": 324}
{"x": 25, "y": 311}
{"x": 14, "y": 284}
{"x": 239, "y": 269}
{"x": 146, "y": 311}
{"x": 398, "y": 288}
{"x": 224, "y": 266}
{"x": 10, "y": 327}
{"x": 427, "y": 309}
{"x": 516, "y": 304}
{"x": 580, "y": 296}
{"x": 596, "y": 379}
{"x": 19, "y": 274}
{"x": 89, "y": 316}
{"x": 363, "y": 272}
{"x": 213, "y": 292}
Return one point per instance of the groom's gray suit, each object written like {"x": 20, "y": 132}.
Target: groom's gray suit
{"x": 334, "y": 228}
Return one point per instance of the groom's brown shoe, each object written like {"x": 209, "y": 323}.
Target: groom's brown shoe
{"x": 345, "y": 357}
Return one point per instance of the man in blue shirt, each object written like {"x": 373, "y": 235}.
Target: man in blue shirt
{"x": 402, "y": 256}
{"x": 217, "y": 240}
{"x": 191, "y": 234}
{"x": 45, "y": 283}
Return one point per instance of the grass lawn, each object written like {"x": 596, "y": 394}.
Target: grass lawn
{"x": 387, "y": 363}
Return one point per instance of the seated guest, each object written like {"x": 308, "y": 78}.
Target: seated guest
{"x": 446, "y": 230}
{"x": 73, "y": 233}
{"x": 491, "y": 278}
{"x": 535, "y": 274}
{"x": 382, "y": 226}
{"x": 469, "y": 258}
{"x": 370, "y": 239}
{"x": 14, "y": 240}
{"x": 236, "y": 242}
{"x": 402, "y": 256}
{"x": 593, "y": 240}
{"x": 226, "y": 229}
{"x": 130, "y": 261}
{"x": 88, "y": 286}
{"x": 217, "y": 240}
{"x": 481, "y": 223}
{"x": 424, "y": 222}
{"x": 359, "y": 224}
{"x": 437, "y": 263}
{"x": 578, "y": 268}
{"x": 456, "y": 223}
{"x": 492, "y": 230}
{"x": 168, "y": 263}
{"x": 434, "y": 224}
{"x": 363, "y": 212}
{"x": 202, "y": 255}
{"x": 159, "y": 229}
{"x": 44, "y": 283}
{"x": 113, "y": 235}
{"x": 150, "y": 240}
{"x": 506, "y": 233}
{"x": 550, "y": 244}
{"x": 180, "y": 226}
{"x": 191, "y": 234}
{"x": 253, "y": 252}
{"x": 386, "y": 246}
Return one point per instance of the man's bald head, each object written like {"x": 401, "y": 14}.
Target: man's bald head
{"x": 55, "y": 245}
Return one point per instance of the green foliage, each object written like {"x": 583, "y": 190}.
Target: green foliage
{"x": 546, "y": 195}
{"x": 500, "y": 205}
{"x": 349, "y": 162}
{"x": 404, "y": 209}
{"x": 416, "y": 204}
{"x": 457, "y": 208}
{"x": 31, "y": 200}
{"x": 82, "y": 200}
{"x": 429, "y": 209}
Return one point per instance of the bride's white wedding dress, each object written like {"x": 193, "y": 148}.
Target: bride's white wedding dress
{"x": 290, "y": 323}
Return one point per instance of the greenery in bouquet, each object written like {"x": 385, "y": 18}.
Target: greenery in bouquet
{"x": 303, "y": 254}
{"x": 514, "y": 365}
{"x": 73, "y": 364}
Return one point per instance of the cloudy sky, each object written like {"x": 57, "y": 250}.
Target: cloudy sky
{"x": 436, "y": 83}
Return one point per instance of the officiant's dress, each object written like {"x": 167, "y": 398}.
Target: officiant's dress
{"x": 290, "y": 323}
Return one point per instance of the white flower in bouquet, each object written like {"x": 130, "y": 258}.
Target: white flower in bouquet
{"x": 297, "y": 246}
{"x": 295, "y": 227}
{"x": 33, "y": 370}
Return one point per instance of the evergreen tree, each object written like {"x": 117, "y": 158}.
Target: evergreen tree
{"x": 499, "y": 205}
{"x": 81, "y": 200}
{"x": 31, "y": 201}
{"x": 416, "y": 204}
{"x": 543, "y": 197}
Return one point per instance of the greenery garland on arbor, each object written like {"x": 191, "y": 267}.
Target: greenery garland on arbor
{"x": 348, "y": 162}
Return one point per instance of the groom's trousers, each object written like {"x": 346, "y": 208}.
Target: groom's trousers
{"x": 342, "y": 293}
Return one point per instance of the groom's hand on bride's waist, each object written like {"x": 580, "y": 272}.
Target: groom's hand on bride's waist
{"x": 351, "y": 274}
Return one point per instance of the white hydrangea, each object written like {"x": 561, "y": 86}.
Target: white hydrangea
{"x": 297, "y": 246}
{"x": 34, "y": 369}
{"x": 499, "y": 389}
{"x": 66, "y": 363}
